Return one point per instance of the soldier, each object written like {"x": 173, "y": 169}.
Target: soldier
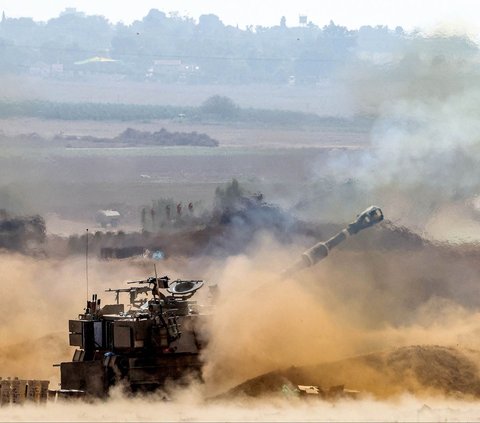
{"x": 167, "y": 211}
{"x": 179, "y": 209}
{"x": 190, "y": 207}
{"x": 152, "y": 213}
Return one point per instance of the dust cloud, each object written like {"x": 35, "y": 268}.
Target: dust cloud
{"x": 38, "y": 298}
{"x": 353, "y": 303}
{"x": 188, "y": 408}
{"x": 261, "y": 323}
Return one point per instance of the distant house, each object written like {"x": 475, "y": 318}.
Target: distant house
{"x": 56, "y": 68}
{"x": 97, "y": 65}
{"x": 170, "y": 69}
{"x": 107, "y": 218}
{"x": 45, "y": 70}
{"x": 72, "y": 11}
{"x": 40, "y": 69}
{"x": 167, "y": 63}
{"x": 95, "y": 59}
{"x": 164, "y": 68}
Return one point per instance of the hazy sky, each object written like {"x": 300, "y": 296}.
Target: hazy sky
{"x": 352, "y": 13}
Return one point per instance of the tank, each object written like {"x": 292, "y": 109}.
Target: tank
{"x": 158, "y": 336}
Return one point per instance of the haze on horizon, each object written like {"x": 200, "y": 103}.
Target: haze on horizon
{"x": 410, "y": 14}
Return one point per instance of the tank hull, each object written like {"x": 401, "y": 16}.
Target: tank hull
{"x": 96, "y": 377}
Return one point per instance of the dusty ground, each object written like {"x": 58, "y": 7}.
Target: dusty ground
{"x": 71, "y": 184}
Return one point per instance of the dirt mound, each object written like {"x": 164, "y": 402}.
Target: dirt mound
{"x": 135, "y": 137}
{"x": 415, "y": 369}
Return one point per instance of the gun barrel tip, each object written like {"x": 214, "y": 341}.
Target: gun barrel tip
{"x": 375, "y": 212}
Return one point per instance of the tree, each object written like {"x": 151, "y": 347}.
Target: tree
{"x": 154, "y": 17}
{"x": 210, "y": 23}
{"x": 220, "y": 106}
{"x": 229, "y": 197}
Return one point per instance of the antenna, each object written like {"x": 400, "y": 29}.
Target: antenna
{"x": 86, "y": 260}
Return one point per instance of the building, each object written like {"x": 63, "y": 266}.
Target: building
{"x": 107, "y": 218}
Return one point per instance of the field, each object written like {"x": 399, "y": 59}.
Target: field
{"x": 72, "y": 182}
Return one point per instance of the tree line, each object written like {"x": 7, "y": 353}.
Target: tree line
{"x": 175, "y": 48}
{"x": 214, "y": 109}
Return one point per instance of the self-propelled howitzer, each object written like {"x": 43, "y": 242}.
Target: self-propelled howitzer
{"x": 159, "y": 336}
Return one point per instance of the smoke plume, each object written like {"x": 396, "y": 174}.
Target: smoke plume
{"x": 425, "y": 145}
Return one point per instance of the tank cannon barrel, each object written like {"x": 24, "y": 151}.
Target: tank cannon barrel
{"x": 319, "y": 251}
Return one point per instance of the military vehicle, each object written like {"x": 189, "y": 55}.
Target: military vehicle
{"x": 159, "y": 337}
{"x": 23, "y": 234}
